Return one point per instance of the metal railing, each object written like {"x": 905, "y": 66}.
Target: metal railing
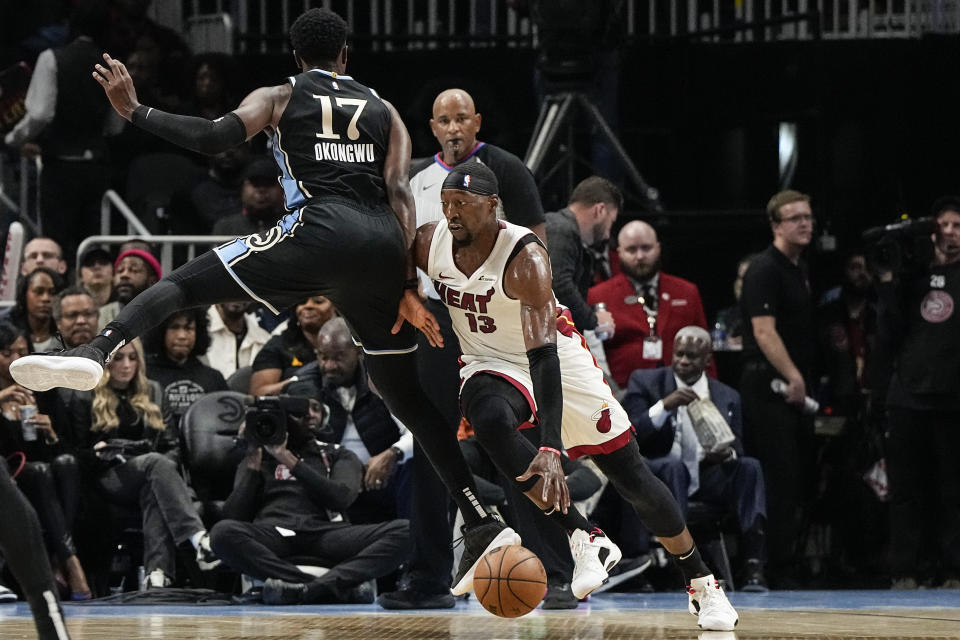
{"x": 261, "y": 25}
{"x": 165, "y": 243}
{"x": 136, "y": 230}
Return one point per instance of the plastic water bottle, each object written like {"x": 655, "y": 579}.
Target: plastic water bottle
{"x": 810, "y": 406}
{"x": 601, "y": 333}
{"x": 719, "y": 335}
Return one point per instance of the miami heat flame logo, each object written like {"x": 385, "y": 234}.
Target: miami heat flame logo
{"x": 602, "y": 418}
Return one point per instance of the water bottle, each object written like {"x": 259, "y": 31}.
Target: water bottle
{"x": 719, "y": 335}
{"x": 810, "y": 406}
{"x": 601, "y": 331}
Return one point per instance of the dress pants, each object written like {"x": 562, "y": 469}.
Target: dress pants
{"x": 782, "y": 439}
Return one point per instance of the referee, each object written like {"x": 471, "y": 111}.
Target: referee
{"x": 780, "y": 344}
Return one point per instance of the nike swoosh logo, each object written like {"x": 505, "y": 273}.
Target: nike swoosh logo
{"x": 443, "y": 277}
{"x": 429, "y": 186}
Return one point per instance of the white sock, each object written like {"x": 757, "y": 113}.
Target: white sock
{"x": 196, "y": 538}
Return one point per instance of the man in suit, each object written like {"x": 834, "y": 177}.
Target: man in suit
{"x": 648, "y": 306}
{"x": 656, "y": 401}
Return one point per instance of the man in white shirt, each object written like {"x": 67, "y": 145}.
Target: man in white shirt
{"x": 235, "y": 337}
{"x": 657, "y": 402}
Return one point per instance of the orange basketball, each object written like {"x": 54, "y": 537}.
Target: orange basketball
{"x": 510, "y": 581}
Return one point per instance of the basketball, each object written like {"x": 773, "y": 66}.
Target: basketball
{"x": 510, "y": 581}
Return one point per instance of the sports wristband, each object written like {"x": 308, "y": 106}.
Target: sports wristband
{"x": 551, "y": 450}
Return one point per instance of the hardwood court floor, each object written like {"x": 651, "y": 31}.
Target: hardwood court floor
{"x": 788, "y": 615}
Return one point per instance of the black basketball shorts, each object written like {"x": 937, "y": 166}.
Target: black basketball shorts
{"x": 336, "y": 248}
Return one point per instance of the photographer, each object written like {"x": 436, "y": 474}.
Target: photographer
{"x": 919, "y": 322}
{"x": 288, "y": 500}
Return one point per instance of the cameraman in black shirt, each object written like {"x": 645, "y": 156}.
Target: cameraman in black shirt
{"x": 288, "y": 500}
{"x": 779, "y": 342}
{"x": 919, "y": 318}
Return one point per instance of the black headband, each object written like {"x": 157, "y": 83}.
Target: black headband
{"x": 474, "y": 177}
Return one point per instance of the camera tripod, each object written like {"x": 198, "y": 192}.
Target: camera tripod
{"x": 555, "y": 127}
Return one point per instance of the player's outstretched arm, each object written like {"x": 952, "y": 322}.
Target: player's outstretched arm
{"x": 528, "y": 279}
{"x": 258, "y": 110}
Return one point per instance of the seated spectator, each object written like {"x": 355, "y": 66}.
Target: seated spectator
{"x": 48, "y": 472}
{"x": 42, "y": 252}
{"x": 174, "y": 349}
{"x": 656, "y": 401}
{"x": 291, "y": 347}
{"x": 134, "y": 270}
{"x": 288, "y": 500}
{"x": 32, "y": 312}
{"x": 731, "y": 318}
{"x": 261, "y": 197}
{"x": 235, "y": 337}
{"x": 125, "y": 449}
{"x": 75, "y": 313}
{"x": 217, "y": 195}
{"x": 648, "y": 306}
{"x": 360, "y": 421}
{"x": 212, "y": 85}
{"x": 96, "y": 274}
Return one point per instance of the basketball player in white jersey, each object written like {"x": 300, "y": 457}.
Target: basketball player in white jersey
{"x": 524, "y": 363}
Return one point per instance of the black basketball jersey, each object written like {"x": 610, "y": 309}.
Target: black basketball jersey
{"x": 332, "y": 140}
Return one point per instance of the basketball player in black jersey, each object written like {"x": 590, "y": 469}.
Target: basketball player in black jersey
{"x": 22, "y": 542}
{"x": 344, "y": 154}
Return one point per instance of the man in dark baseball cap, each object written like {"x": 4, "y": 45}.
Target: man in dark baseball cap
{"x": 96, "y": 274}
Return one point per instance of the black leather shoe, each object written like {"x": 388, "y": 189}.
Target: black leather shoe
{"x": 754, "y": 581}
{"x": 363, "y": 593}
{"x": 412, "y": 599}
{"x": 276, "y": 591}
{"x": 559, "y": 596}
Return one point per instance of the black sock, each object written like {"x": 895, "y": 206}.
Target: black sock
{"x": 570, "y": 521}
{"x": 107, "y": 343}
{"x": 691, "y": 564}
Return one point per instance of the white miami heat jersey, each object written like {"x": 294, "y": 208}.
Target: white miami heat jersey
{"x": 485, "y": 318}
{"x": 487, "y": 323}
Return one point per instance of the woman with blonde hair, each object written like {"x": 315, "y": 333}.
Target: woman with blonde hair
{"x": 123, "y": 443}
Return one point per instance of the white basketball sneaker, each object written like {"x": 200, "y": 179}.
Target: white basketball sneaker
{"x": 80, "y": 368}
{"x": 594, "y": 554}
{"x": 709, "y": 603}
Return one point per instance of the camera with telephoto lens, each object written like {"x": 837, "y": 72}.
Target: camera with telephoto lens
{"x": 901, "y": 246}
{"x": 267, "y": 416}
